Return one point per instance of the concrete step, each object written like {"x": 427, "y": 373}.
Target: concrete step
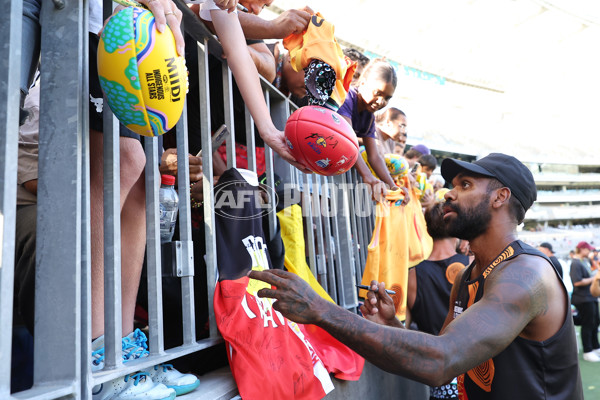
{"x": 215, "y": 385}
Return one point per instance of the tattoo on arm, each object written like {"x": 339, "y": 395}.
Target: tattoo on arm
{"x": 412, "y": 354}
{"x": 512, "y": 298}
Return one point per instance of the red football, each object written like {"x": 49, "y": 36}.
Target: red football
{"x": 322, "y": 140}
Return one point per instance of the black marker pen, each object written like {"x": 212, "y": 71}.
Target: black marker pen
{"x": 369, "y": 288}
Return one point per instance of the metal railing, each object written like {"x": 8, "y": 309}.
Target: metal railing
{"x": 336, "y": 247}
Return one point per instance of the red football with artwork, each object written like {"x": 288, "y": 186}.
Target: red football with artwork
{"x": 322, "y": 140}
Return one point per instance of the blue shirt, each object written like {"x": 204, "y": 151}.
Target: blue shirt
{"x": 363, "y": 122}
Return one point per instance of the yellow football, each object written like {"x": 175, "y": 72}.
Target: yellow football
{"x": 143, "y": 78}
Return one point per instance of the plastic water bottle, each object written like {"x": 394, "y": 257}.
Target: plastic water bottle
{"x": 169, "y": 202}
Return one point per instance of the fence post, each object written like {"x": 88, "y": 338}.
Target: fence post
{"x": 58, "y": 246}
{"x": 10, "y": 62}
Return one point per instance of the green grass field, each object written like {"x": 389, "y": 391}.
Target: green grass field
{"x": 590, "y": 375}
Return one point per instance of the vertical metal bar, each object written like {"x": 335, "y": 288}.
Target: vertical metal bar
{"x": 332, "y": 239}
{"x": 368, "y": 228}
{"x": 363, "y": 244}
{"x": 209, "y": 196}
{"x": 58, "y": 245}
{"x": 86, "y": 284}
{"x": 341, "y": 249}
{"x": 278, "y": 117}
{"x": 365, "y": 210}
{"x": 250, "y": 140}
{"x": 360, "y": 231}
{"x": 367, "y": 234}
{"x": 345, "y": 272}
{"x": 10, "y": 62}
{"x": 363, "y": 238}
{"x": 371, "y": 222}
{"x": 357, "y": 217}
{"x": 318, "y": 221}
{"x": 280, "y": 113}
{"x": 371, "y": 216}
{"x": 228, "y": 108}
{"x": 327, "y": 211}
{"x": 112, "y": 231}
{"x": 307, "y": 207}
{"x": 153, "y": 248}
{"x": 112, "y": 240}
{"x": 352, "y": 195}
{"x": 185, "y": 265}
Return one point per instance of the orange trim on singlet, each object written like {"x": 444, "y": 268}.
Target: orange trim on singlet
{"x": 472, "y": 292}
{"x": 505, "y": 255}
{"x": 483, "y": 374}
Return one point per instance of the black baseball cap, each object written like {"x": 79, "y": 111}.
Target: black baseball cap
{"x": 547, "y": 245}
{"x": 507, "y": 169}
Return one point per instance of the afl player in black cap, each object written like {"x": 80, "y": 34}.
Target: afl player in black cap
{"x": 508, "y": 333}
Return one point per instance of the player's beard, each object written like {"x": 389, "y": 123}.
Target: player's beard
{"x": 469, "y": 223}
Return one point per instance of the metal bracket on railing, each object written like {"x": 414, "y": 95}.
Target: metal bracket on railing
{"x": 185, "y": 267}
{"x": 321, "y": 264}
{"x": 173, "y": 264}
{"x": 59, "y": 4}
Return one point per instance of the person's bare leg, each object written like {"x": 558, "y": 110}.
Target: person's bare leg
{"x": 97, "y": 232}
{"x": 133, "y": 227}
{"x": 132, "y": 245}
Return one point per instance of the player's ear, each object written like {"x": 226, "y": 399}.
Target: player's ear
{"x": 501, "y": 196}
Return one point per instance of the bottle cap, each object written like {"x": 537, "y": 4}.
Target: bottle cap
{"x": 167, "y": 180}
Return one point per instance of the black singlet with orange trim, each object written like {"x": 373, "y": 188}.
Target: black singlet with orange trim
{"x": 526, "y": 369}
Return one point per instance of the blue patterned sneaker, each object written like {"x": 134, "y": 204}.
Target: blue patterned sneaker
{"x": 98, "y": 353}
{"x": 136, "y": 386}
{"x": 135, "y": 346}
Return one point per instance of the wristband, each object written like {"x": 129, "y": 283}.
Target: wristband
{"x": 194, "y": 203}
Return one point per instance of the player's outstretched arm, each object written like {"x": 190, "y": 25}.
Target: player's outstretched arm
{"x": 511, "y": 301}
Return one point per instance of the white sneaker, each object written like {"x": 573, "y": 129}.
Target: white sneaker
{"x": 171, "y": 378}
{"x": 591, "y": 357}
{"x": 597, "y": 351}
{"x": 136, "y": 386}
{"x": 130, "y": 387}
{"x": 135, "y": 346}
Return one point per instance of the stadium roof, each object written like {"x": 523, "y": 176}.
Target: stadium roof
{"x": 518, "y": 76}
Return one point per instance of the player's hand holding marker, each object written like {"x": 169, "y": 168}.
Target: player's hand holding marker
{"x": 379, "y": 306}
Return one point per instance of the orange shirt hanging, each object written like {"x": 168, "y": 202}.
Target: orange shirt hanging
{"x": 318, "y": 42}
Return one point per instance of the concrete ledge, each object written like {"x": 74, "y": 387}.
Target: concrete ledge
{"x": 215, "y": 385}
{"x": 373, "y": 384}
